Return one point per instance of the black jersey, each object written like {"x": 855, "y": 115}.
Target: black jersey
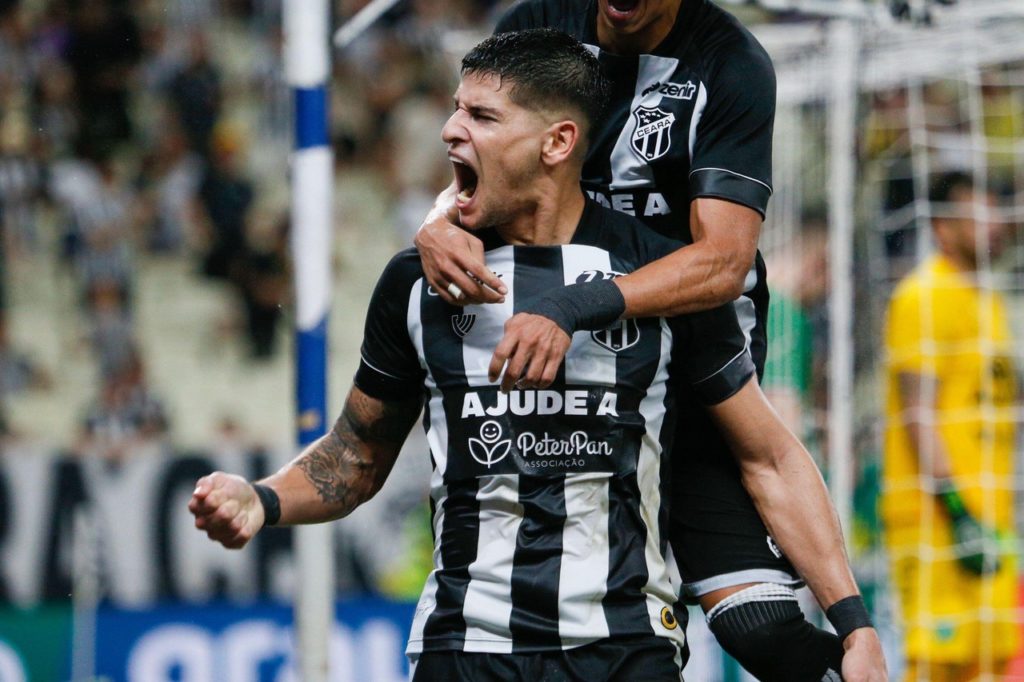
{"x": 691, "y": 119}
{"x": 527, "y": 486}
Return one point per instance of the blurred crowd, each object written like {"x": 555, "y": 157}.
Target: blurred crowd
{"x": 133, "y": 131}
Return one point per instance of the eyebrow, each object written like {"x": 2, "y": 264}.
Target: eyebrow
{"x": 477, "y": 109}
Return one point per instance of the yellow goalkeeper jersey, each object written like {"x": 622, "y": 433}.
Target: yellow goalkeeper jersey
{"x": 940, "y": 324}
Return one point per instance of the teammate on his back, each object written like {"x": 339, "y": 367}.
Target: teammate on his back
{"x": 686, "y": 148}
{"x": 548, "y": 516}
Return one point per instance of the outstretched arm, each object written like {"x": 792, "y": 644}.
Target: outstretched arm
{"x": 793, "y": 501}
{"x": 703, "y": 275}
{"x": 331, "y": 477}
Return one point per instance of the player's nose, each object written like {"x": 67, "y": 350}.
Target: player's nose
{"x": 454, "y": 131}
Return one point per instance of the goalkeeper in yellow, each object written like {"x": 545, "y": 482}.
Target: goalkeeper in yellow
{"x": 947, "y": 499}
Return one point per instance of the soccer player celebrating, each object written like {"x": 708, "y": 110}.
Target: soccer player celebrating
{"x": 547, "y": 505}
{"x": 686, "y": 148}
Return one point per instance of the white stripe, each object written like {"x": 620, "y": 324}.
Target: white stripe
{"x": 746, "y": 316}
{"x": 698, "y": 111}
{"x": 755, "y": 593}
{"x": 745, "y": 351}
{"x": 628, "y": 171}
{"x": 753, "y": 575}
{"x": 586, "y": 362}
{"x": 648, "y": 473}
{"x": 583, "y": 578}
{"x": 312, "y": 244}
{"x": 307, "y": 57}
{"x": 739, "y": 175}
{"x": 478, "y": 344}
{"x": 488, "y": 604}
{"x": 437, "y": 430}
{"x": 377, "y": 369}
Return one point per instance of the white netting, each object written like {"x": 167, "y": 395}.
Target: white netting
{"x": 858, "y": 152}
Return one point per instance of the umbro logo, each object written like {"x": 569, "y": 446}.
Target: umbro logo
{"x": 461, "y": 324}
{"x": 620, "y": 336}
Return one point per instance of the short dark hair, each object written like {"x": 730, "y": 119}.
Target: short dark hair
{"x": 946, "y": 184}
{"x": 542, "y": 67}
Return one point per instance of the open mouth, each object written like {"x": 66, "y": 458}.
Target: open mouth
{"x": 465, "y": 182}
{"x": 622, "y": 9}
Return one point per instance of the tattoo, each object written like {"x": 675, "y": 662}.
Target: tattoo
{"x": 349, "y": 464}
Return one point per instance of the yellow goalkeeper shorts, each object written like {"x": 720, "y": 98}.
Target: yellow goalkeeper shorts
{"x": 950, "y": 615}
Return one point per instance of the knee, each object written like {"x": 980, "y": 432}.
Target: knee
{"x": 766, "y": 632}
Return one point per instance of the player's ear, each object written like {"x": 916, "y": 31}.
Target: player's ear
{"x": 561, "y": 139}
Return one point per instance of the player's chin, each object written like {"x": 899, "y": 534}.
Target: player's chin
{"x": 471, "y": 219}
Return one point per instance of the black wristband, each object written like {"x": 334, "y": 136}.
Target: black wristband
{"x": 848, "y": 614}
{"x": 587, "y": 306}
{"x": 271, "y": 504}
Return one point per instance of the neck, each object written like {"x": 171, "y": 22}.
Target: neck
{"x": 552, "y": 220}
{"x": 642, "y": 41}
{"x": 960, "y": 262}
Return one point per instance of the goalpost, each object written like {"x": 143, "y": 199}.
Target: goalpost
{"x": 869, "y": 109}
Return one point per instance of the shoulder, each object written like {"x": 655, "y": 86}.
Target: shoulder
{"x": 562, "y": 14}
{"x": 402, "y": 271}
{"x": 729, "y": 51}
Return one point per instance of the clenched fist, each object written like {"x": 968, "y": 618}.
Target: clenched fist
{"x": 227, "y": 508}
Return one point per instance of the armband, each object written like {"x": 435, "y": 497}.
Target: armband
{"x": 271, "y": 503}
{"x": 848, "y": 614}
{"x": 587, "y": 306}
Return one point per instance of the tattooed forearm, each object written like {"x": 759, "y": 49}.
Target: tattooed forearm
{"x": 349, "y": 464}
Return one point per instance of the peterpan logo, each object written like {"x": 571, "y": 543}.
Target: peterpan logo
{"x": 489, "y": 448}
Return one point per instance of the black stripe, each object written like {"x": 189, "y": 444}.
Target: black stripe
{"x": 637, "y": 368}
{"x": 459, "y": 538}
{"x": 624, "y": 604}
{"x": 538, "y": 556}
{"x": 442, "y": 351}
{"x": 622, "y": 72}
{"x": 537, "y": 564}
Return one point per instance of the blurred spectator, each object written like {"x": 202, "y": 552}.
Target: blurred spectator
{"x": 21, "y": 184}
{"x": 102, "y": 229}
{"x": 195, "y": 94}
{"x": 264, "y": 283}
{"x": 18, "y": 372}
{"x": 794, "y": 375}
{"x": 169, "y": 179}
{"x": 225, "y": 197}
{"x": 111, "y": 333}
{"x": 54, "y": 112}
{"x": 420, "y": 168}
{"x": 126, "y": 415}
{"x": 104, "y": 48}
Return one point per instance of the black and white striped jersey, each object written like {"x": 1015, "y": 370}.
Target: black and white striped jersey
{"x": 547, "y": 504}
{"x": 691, "y": 119}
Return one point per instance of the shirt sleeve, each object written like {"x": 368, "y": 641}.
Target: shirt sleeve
{"x": 389, "y": 368}
{"x": 904, "y": 333}
{"x": 732, "y": 154}
{"x": 711, "y": 353}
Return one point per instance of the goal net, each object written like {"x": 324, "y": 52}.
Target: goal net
{"x": 871, "y": 111}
